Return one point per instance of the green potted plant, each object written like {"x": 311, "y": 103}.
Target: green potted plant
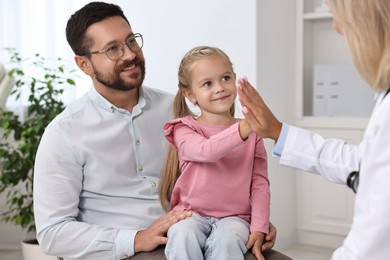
{"x": 44, "y": 85}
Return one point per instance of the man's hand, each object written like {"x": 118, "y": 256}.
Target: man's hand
{"x": 148, "y": 239}
{"x": 255, "y": 242}
{"x": 259, "y": 116}
{"x": 270, "y": 238}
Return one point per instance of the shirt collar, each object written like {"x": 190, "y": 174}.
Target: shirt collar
{"x": 105, "y": 104}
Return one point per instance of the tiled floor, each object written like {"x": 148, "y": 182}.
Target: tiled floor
{"x": 298, "y": 252}
{"x": 11, "y": 255}
{"x": 303, "y": 252}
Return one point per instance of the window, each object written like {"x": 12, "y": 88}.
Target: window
{"x": 39, "y": 27}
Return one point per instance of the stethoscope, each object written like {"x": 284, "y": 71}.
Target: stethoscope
{"x": 353, "y": 177}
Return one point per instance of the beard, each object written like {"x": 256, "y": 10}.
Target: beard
{"x": 114, "y": 81}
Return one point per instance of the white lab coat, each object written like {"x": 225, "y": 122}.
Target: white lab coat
{"x": 369, "y": 237}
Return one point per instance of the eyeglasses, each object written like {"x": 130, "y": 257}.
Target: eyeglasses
{"x": 116, "y": 50}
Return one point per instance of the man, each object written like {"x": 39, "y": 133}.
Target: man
{"x": 97, "y": 169}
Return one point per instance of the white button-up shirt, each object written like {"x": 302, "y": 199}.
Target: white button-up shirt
{"x": 97, "y": 174}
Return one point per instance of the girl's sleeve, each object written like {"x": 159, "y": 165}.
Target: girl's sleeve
{"x": 193, "y": 146}
{"x": 260, "y": 192}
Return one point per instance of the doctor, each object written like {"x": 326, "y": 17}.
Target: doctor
{"x": 365, "y": 24}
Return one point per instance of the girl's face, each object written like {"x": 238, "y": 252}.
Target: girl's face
{"x": 212, "y": 86}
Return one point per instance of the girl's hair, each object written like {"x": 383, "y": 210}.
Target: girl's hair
{"x": 366, "y": 27}
{"x": 171, "y": 170}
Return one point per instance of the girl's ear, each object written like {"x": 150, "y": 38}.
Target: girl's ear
{"x": 188, "y": 94}
{"x": 84, "y": 64}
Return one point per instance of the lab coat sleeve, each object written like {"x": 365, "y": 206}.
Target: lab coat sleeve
{"x": 308, "y": 151}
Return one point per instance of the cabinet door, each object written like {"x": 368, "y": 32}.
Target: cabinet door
{"x": 324, "y": 207}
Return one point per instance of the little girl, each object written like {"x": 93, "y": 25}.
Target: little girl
{"x": 216, "y": 167}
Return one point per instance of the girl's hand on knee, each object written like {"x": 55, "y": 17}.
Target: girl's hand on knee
{"x": 269, "y": 240}
{"x": 255, "y": 242}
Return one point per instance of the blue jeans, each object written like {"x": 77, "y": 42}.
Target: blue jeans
{"x": 198, "y": 238}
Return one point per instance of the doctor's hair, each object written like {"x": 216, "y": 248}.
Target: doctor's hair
{"x": 365, "y": 25}
{"x": 171, "y": 169}
{"x": 82, "y": 19}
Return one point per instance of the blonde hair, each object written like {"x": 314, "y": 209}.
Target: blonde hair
{"x": 171, "y": 170}
{"x": 366, "y": 26}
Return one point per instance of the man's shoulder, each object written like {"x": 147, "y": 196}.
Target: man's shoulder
{"x": 72, "y": 111}
{"x": 154, "y": 93}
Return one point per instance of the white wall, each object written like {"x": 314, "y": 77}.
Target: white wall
{"x": 170, "y": 28}
{"x": 173, "y": 27}
{"x": 275, "y": 76}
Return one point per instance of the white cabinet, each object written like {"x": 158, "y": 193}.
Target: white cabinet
{"x": 325, "y": 210}
{"x": 318, "y": 45}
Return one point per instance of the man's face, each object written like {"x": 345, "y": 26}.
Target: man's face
{"x": 125, "y": 73}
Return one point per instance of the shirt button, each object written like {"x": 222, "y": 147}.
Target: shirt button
{"x": 154, "y": 184}
{"x": 138, "y": 142}
{"x": 140, "y": 168}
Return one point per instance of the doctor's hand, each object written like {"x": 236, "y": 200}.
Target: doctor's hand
{"x": 149, "y": 239}
{"x": 259, "y": 116}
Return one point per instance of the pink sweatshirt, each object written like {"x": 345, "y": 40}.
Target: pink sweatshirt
{"x": 221, "y": 175}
